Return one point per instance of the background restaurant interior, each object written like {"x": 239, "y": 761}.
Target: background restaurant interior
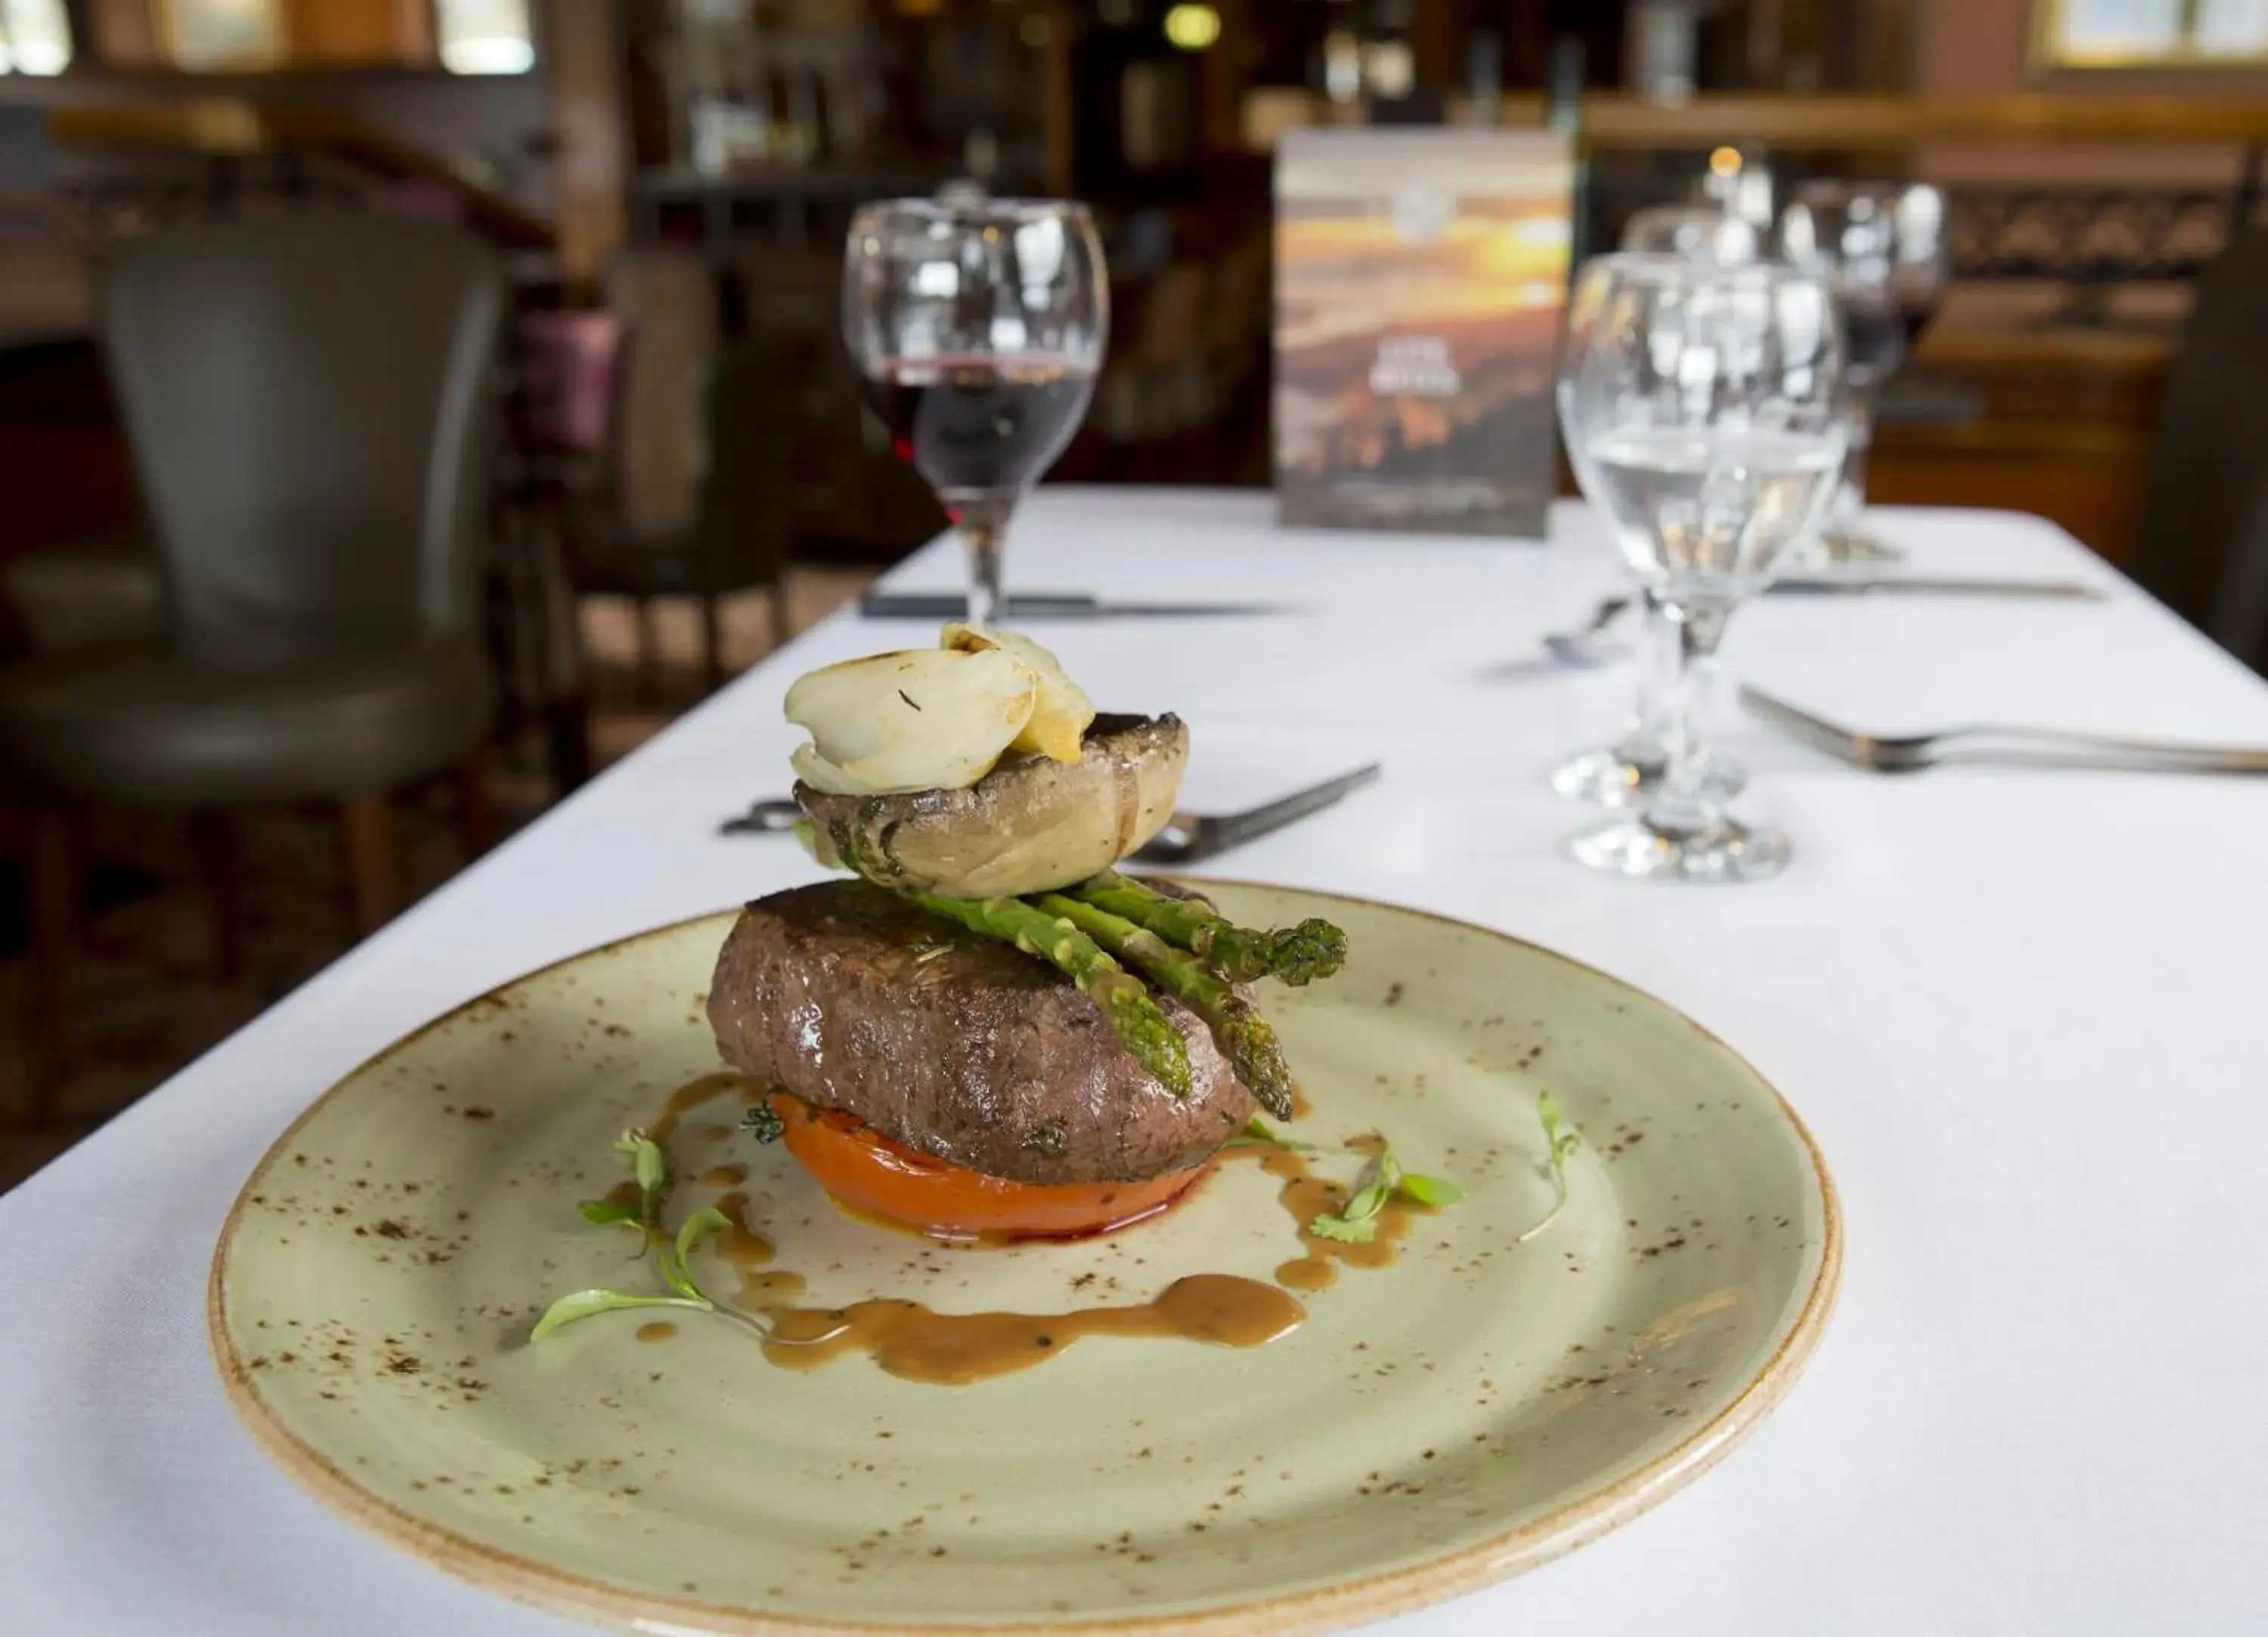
{"x": 668, "y": 183}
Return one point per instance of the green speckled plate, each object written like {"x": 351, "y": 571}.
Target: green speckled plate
{"x": 1478, "y": 1407}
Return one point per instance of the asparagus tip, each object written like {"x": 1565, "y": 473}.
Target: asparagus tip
{"x": 1314, "y": 949}
{"x": 1151, "y": 1036}
{"x": 1252, "y": 1046}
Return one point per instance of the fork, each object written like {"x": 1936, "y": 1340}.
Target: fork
{"x": 2016, "y": 747}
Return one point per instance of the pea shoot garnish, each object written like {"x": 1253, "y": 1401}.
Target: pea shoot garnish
{"x": 1560, "y": 1140}
{"x": 1260, "y": 1134}
{"x": 649, "y": 1167}
{"x": 1357, "y": 1221}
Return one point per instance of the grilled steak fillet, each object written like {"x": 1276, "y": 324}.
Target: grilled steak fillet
{"x": 955, "y": 1045}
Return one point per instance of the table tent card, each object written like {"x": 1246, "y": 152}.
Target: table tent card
{"x": 1420, "y": 280}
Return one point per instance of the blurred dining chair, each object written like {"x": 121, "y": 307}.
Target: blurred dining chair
{"x": 306, "y": 401}
{"x": 849, "y": 493}
{"x": 560, "y": 371}
{"x": 2203, "y": 549}
{"x": 637, "y": 531}
{"x": 739, "y": 535}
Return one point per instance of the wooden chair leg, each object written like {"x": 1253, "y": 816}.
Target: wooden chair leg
{"x": 712, "y": 644}
{"x": 53, "y": 889}
{"x": 366, "y": 842}
{"x": 476, "y": 812}
{"x": 220, "y": 862}
{"x": 783, "y": 626}
{"x": 567, "y": 726}
{"x": 646, "y": 679}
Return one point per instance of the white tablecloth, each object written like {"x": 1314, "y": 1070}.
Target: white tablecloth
{"x": 2023, "y": 1013}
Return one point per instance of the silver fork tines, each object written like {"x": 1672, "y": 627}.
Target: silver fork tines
{"x": 2003, "y": 746}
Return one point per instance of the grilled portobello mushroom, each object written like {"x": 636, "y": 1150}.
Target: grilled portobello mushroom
{"x": 1031, "y": 824}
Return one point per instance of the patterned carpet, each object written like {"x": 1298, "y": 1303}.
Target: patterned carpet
{"x": 145, "y": 999}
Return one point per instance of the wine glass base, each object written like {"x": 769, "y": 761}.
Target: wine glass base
{"x": 1613, "y": 779}
{"x": 1726, "y": 851}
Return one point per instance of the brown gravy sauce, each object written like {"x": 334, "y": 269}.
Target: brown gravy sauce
{"x": 690, "y": 1096}
{"x": 909, "y": 1340}
{"x": 1305, "y": 1196}
{"x": 916, "y": 1342}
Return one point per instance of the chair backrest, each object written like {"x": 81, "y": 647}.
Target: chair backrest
{"x": 2208, "y": 475}
{"x": 751, "y": 436}
{"x": 565, "y": 361}
{"x": 308, "y": 402}
{"x": 667, "y": 300}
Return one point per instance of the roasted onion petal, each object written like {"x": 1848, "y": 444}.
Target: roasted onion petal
{"x": 1062, "y": 712}
{"x": 923, "y": 719}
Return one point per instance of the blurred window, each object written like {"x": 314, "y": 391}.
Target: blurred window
{"x": 34, "y": 37}
{"x": 2128, "y": 33}
{"x": 484, "y": 36}
{"x": 221, "y": 34}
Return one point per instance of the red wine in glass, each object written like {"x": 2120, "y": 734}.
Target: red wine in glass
{"x": 977, "y": 426}
{"x": 1874, "y": 340}
{"x": 977, "y": 325}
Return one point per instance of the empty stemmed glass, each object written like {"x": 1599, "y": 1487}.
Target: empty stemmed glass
{"x": 1705, "y": 400}
{"x": 1620, "y": 774}
{"x": 1881, "y": 247}
{"x": 978, "y": 325}
{"x": 1705, "y": 232}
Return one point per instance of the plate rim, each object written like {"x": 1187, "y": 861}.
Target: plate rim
{"x": 1499, "y": 1558}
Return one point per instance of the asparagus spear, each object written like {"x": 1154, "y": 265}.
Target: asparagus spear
{"x": 1314, "y": 949}
{"x": 1242, "y": 1034}
{"x": 1144, "y": 1031}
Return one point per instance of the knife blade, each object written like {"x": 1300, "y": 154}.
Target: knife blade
{"x": 1051, "y": 605}
{"x": 1930, "y": 585}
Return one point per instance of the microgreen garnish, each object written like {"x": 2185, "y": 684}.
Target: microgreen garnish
{"x": 1260, "y": 1134}
{"x": 649, "y": 1166}
{"x": 1355, "y": 1222}
{"x": 1561, "y": 1140}
{"x": 763, "y": 1123}
{"x": 1433, "y": 1190}
{"x": 583, "y": 1303}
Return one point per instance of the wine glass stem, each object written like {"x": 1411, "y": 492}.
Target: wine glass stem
{"x": 1647, "y": 730}
{"x": 1680, "y": 805}
{"x": 1851, "y": 497}
{"x": 983, "y": 524}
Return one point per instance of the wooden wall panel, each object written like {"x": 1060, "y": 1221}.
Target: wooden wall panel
{"x": 582, "y": 50}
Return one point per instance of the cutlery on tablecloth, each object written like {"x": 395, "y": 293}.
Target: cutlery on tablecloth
{"x": 1186, "y": 837}
{"x": 1578, "y": 648}
{"x": 1053, "y": 605}
{"x": 1841, "y": 546}
{"x": 2003, "y": 746}
{"x": 1589, "y": 644}
{"x": 1930, "y": 585}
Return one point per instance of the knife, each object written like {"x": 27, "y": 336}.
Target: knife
{"x": 1050, "y": 605}
{"x": 1187, "y": 837}
{"x": 1922, "y": 585}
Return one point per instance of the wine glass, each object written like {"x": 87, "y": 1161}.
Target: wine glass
{"x": 1704, "y": 232}
{"x": 1705, "y": 401}
{"x": 978, "y": 325}
{"x": 1620, "y": 774}
{"x": 1881, "y": 247}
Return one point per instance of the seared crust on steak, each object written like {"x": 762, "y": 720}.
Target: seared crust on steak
{"x": 956, "y": 1045}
